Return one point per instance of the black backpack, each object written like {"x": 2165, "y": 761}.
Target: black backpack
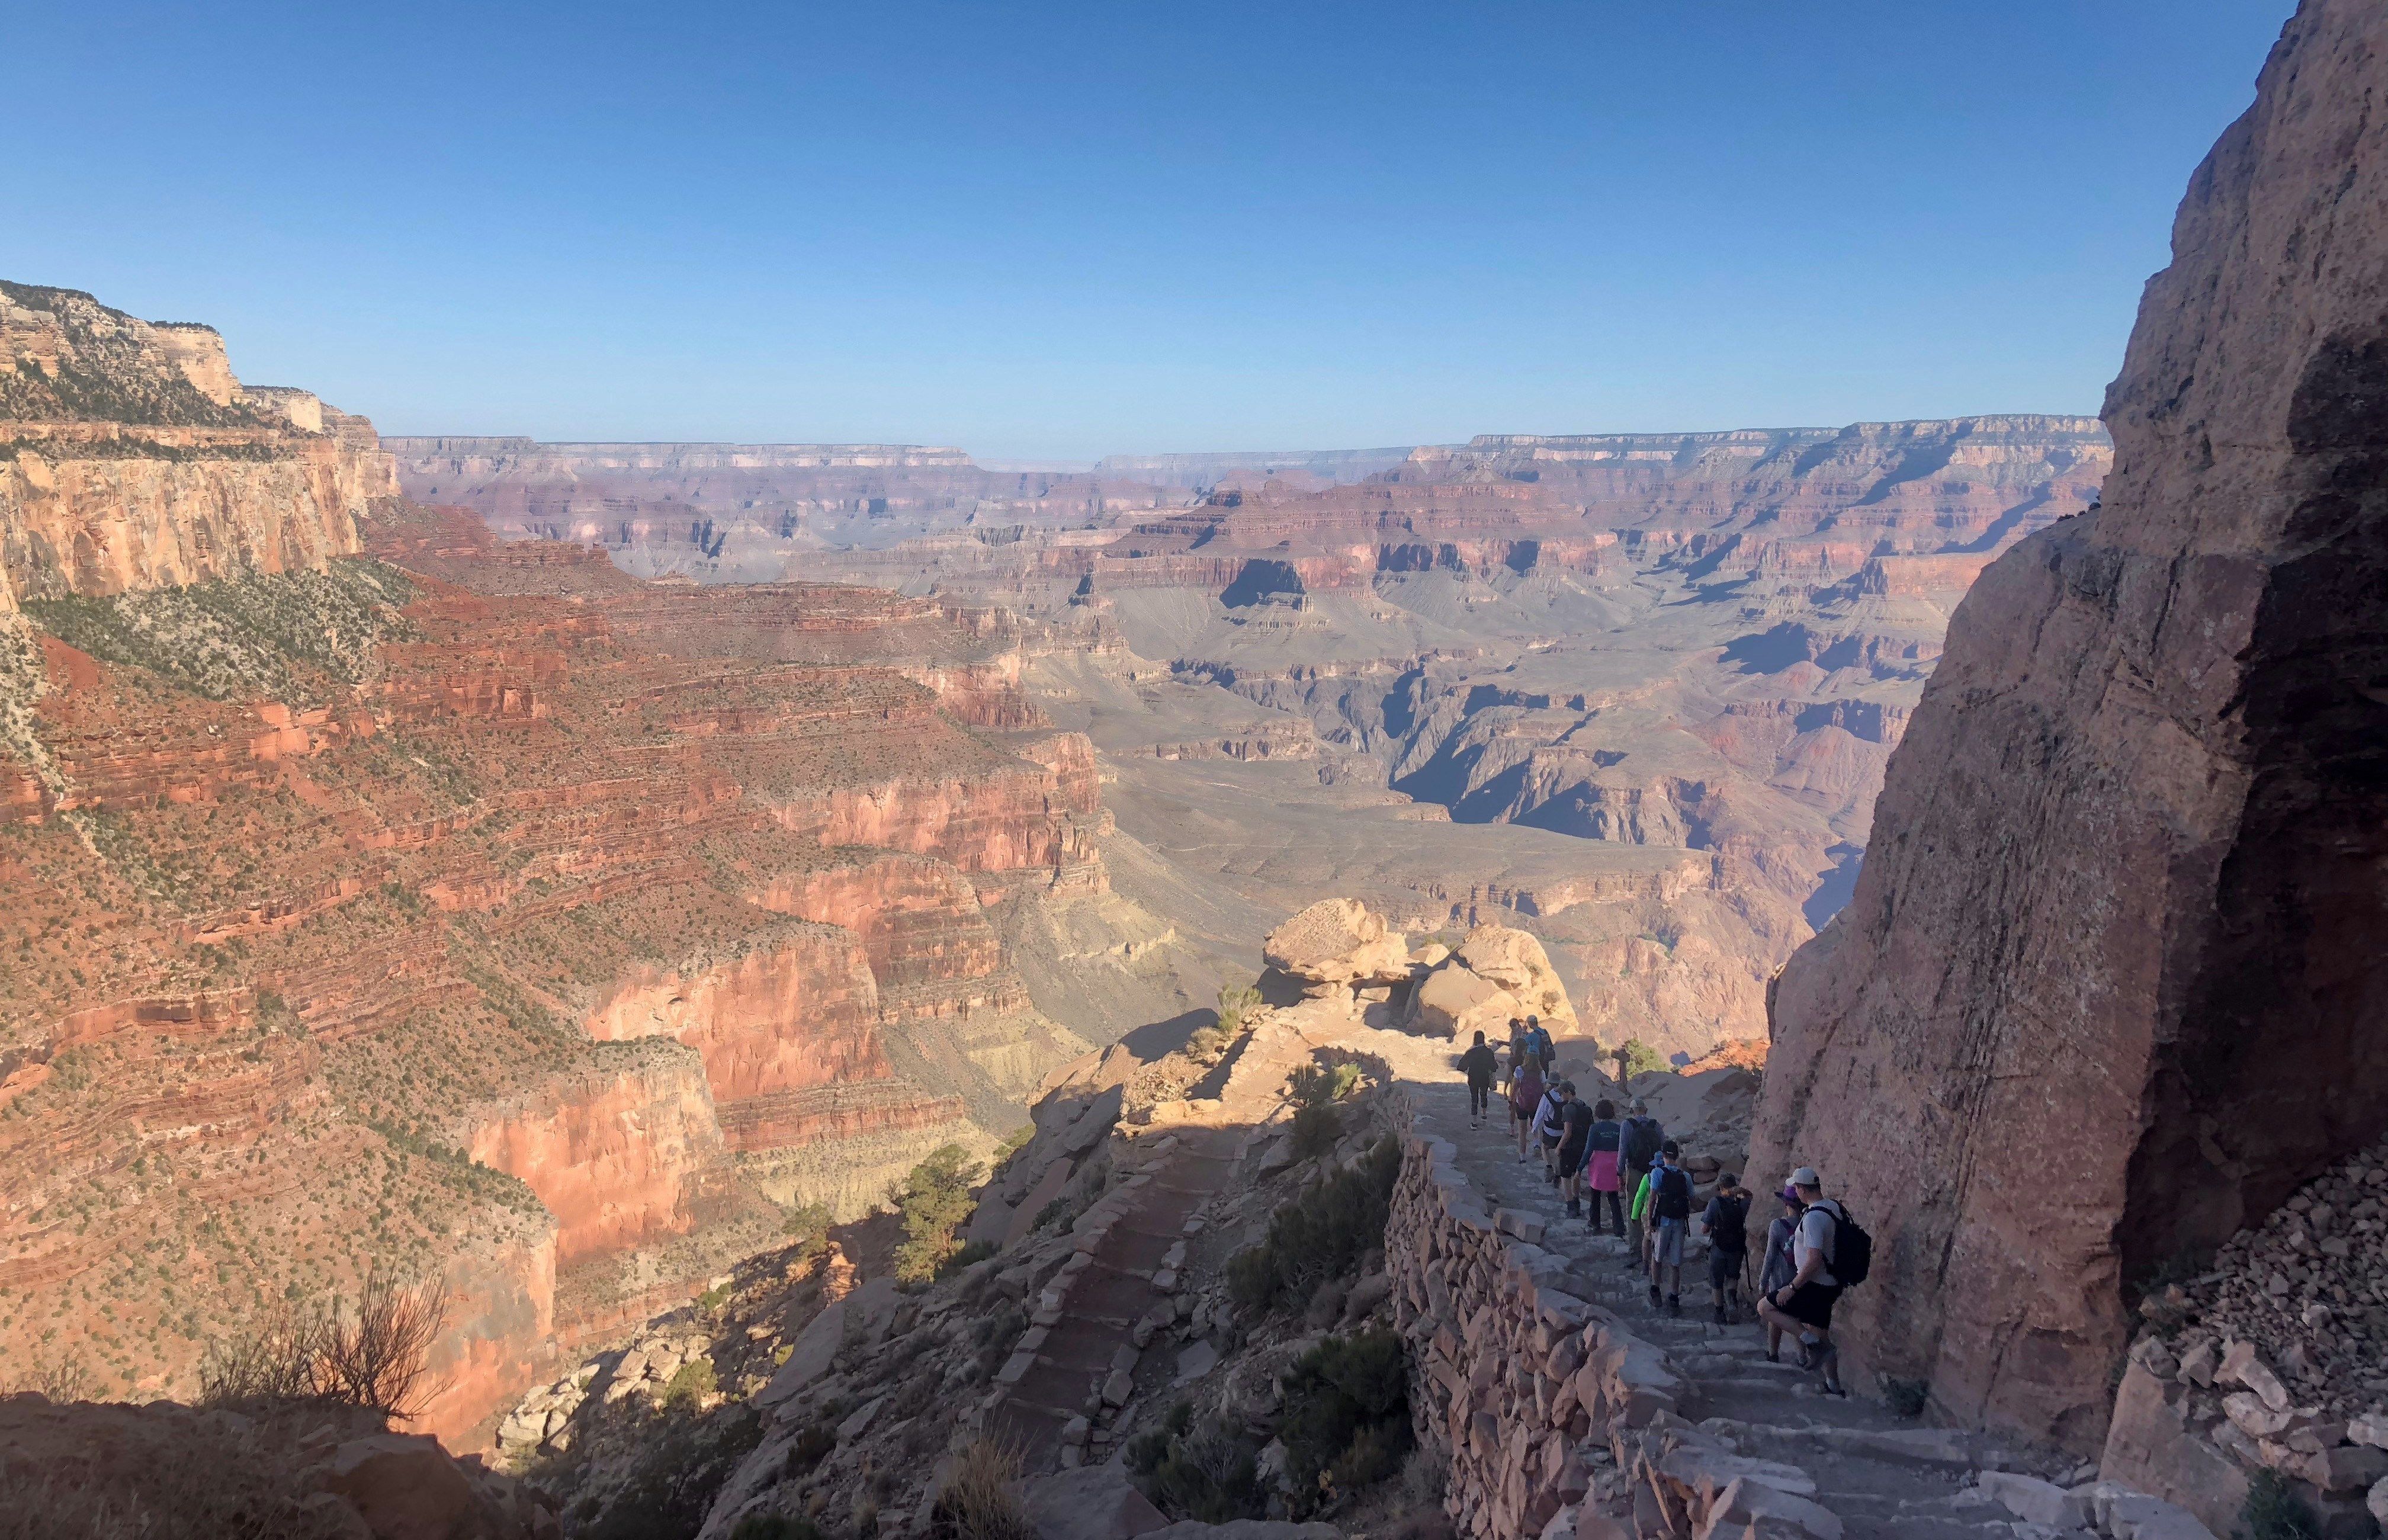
{"x": 1671, "y": 1197}
{"x": 1643, "y": 1137}
{"x": 1852, "y": 1256}
{"x": 1732, "y": 1231}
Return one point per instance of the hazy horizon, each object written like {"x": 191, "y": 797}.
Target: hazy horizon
{"x": 1084, "y": 231}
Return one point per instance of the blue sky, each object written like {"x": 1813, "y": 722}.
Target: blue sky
{"x": 1059, "y": 231}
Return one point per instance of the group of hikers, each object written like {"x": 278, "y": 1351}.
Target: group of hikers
{"x": 1637, "y": 1184}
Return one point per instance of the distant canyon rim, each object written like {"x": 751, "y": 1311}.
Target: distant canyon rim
{"x": 548, "y": 863}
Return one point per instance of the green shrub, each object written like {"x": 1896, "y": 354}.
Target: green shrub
{"x": 1320, "y": 1233}
{"x": 1317, "y": 1130}
{"x": 1237, "y": 1007}
{"x": 964, "y": 1255}
{"x": 931, "y": 1201}
{"x": 1322, "y": 1085}
{"x": 1641, "y": 1058}
{"x": 691, "y": 1383}
{"x": 1208, "y": 1470}
{"x": 2274, "y": 1511}
{"x": 1346, "y": 1423}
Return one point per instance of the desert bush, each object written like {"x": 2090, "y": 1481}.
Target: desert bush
{"x": 1321, "y": 1085}
{"x": 1346, "y": 1423}
{"x": 964, "y": 1255}
{"x": 692, "y": 1383}
{"x": 1641, "y": 1058}
{"x": 931, "y": 1201}
{"x": 1237, "y": 1007}
{"x": 2274, "y": 1511}
{"x": 807, "y": 1226}
{"x": 1320, "y": 1233}
{"x": 977, "y": 1502}
{"x": 1316, "y": 1131}
{"x": 371, "y": 1352}
{"x": 1197, "y": 1470}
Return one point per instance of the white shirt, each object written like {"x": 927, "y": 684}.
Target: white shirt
{"x": 1819, "y": 1227}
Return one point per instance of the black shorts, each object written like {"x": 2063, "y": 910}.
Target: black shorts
{"x": 1550, "y": 1141}
{"x": 1724, "y": 1267}
{"x": 1571, "y": 1159}
{"x": 1812, "y": 1304}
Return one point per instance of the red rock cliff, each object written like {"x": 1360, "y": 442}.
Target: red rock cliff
{"x": 2111, "y": 982}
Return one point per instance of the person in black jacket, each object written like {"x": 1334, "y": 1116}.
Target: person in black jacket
{"x": 1575, "y": 1140}
{"x": 1727, "y": 1222}
{"x": 1637, "y": 1154}
{"x": 1483, "y": 1069}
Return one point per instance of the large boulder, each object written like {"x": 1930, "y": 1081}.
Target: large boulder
{"x": 2112, "y": 986}
{"x": 1338, "y": 941}
{"x": 1514, "y": 960}
{"x": 1453, "y": 1001}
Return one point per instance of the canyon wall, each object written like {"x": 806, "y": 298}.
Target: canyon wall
{"x": 2110, "y": 984}
{"x": 131, "y": 457}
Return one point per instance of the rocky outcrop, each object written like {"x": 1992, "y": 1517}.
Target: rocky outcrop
{"x": 304, "y": 1472}
{"x": 1497, "y": 973}
{"x": 2107, "y": 990}
{"x": 131, "y": 458}
{"x": 1338, "y": 941}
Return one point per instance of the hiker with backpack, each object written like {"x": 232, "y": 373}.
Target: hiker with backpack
{"x": 1727, "y": 1223}
{"x": 1525, "y": 1098}
{"x": 1482, "y": 1068}
{"x": 1778, "y": 1269}
{"x": 1538, "y": 1043}
{"x": 1575, "y": 1151}
{"x": 1549, "y": 1127}
{"x": 1666, "y": 1207}
{"x": 1830, "y": 1252}
{"x": 1600, "y": 1172}
{"x": 1637, "y": 1151}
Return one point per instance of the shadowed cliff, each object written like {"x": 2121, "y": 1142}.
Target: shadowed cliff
{"x": 2109, "y": 984}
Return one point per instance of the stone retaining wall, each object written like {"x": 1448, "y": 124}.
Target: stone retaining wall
{"x": 1539, "y": 1400}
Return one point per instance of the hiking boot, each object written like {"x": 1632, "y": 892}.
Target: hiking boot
{"x": 1654, "y": 1296}
{"x": 1575, "y": 1208}
{"x": 1720, "y": 1313}
{"x": 1674, "y": 1304}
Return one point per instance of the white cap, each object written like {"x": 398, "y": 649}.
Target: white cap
{"x": 1806, "y": 1177}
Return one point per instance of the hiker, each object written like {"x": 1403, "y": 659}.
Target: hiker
{"x": 1483, "y": 1070}
{"x": 1666, "y": 1207}
{"x": 1727, "y": 1223}
{"x": 1778, "y": 1269}
{"x": 1600, "y": 1163}
{"x": 1637, "y": 1149}
{"x": 1547, "y": 1127}
{"x": 1804, "y": 1306}
{"x": 1525, "y": 1098}
{"x": 1539, "y": 1044}
{"x": 1575, "y": 1149}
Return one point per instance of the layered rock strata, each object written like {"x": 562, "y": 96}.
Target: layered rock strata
{"x": 2108, "y": 989}
{"x": 471, "y": 939}
{"x": 131, "y": 457}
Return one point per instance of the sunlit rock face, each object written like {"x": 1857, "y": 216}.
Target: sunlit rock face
{"x": 2110, "y": 984}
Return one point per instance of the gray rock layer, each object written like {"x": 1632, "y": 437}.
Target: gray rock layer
{"x": 2107, "y": 987}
